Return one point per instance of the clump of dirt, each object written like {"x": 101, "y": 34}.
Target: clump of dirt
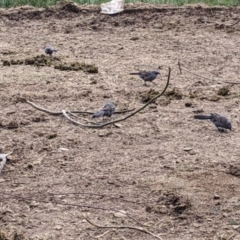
{"x": 3, "y": 236}
{"x": 174, "y": 94}
{"x": 39, "y": 60}
{"x": 9, "y": 124}
{"x": 76, "y": 66}
{"x": 193, "y": 94}
{"x": 43, "y": 60}
{"x": 69, "y": 6}
{"x": 146, "y": 96}
{"x": 188, "y": 104}
{"x": 170, "y": 203}
{"x": 51, "y": 135}
{"x": 234, "y": 170}
{"x": 164, "y": 101}
{"x": 224, "y": 91}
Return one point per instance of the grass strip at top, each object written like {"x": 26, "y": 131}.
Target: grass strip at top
{"x": 46, "y": 3}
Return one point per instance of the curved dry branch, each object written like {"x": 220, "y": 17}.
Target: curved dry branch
{"x": 124, "y": 118}
{"x": 65, "y": 113}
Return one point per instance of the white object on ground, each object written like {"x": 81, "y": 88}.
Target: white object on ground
{"x": 4, "y": 160}
{"x": 113, "y": 7}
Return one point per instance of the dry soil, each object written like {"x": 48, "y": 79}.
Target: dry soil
{"x": 160, "y": 170}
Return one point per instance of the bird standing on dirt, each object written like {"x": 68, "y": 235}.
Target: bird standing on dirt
{"x": 147, "y": 76}
{"x": 107, "y": 110}
{"x": 220, "y": 122}
{"x": 49, "y": 50}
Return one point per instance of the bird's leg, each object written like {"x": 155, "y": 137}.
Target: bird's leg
{"x": 220, "y": 129}
{"x": 145, "y": 84}
{"x": 105, "y": 119}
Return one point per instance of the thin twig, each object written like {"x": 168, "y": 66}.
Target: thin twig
{"x": 231, "y": 82}
{"x": 179, "y": 66}
{"x": 122, "y": 227}
{"x": 124, "y": 118}
{"x": 192, "y": 72}
{"x": 69, "y": 204}
{"x": 74, "y": 121}
{"x": 101, "y": 235}
{"x": 230, "y": 25}
{"x": 4, "y": 160}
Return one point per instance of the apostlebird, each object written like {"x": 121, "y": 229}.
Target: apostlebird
{"x": 107, "y": 110}
{"x": 49, "y": 50}
{"x": 147, "y": 76}
{"x": 219, "y": 121}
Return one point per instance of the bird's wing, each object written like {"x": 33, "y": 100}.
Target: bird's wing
{"x": 215, "y": 117}
{"x": 108, "y": 107}
{"x": 146, "y": 75}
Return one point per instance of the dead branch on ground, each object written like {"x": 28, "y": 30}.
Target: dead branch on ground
{"x": 64, "y": 112}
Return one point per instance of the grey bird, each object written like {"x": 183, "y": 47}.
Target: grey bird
{"x": 49, "y": 50}
{"x": 107, "y": 111}
{"x": 147, "y": 76}
{"x": 219, "y": 121}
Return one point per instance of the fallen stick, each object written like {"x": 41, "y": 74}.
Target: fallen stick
{"x": 65, "y": 113}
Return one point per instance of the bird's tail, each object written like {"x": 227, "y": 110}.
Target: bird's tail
{"x": 134, "y": 73}
{"x": 98, "y": 114}
{"x": 202, "y": 117}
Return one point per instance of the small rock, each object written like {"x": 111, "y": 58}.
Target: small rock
{"x": 58, "y": 227}
{"x": 120, "y": 214}
{"x": 37, "y": 162}
{"x": 198, "y": 111}
{"x": 62, "y": 149}
{"x": 2, "y": 180}
{"x": 214, "y": 98}
{"x": 134, "y": 38}
{"x": 216, "y": 197}
{"x": 34, "y": 204}
{"x": 104, "y": 133}
{"x": 51, "y": 136}
{"x": 187, "y": 104}
{"x": 224, "y": 91}
{"x": 12, "y": 125}
{"x": 187, "y": 149}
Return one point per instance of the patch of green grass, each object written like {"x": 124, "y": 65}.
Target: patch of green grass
{"x": 45, "y": 3}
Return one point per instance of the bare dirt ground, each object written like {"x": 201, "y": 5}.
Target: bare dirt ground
{"x": 173, "y": 176}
